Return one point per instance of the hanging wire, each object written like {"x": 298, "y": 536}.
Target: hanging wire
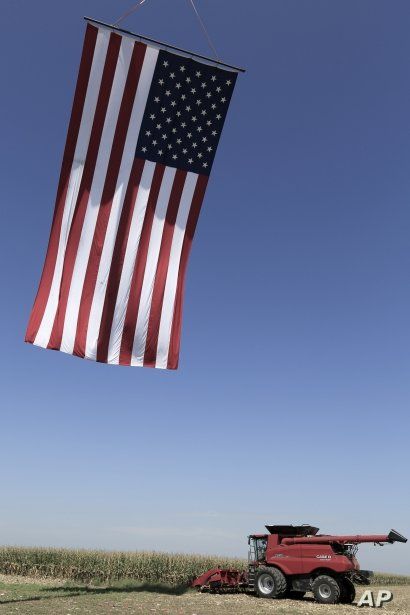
{"x": 136, "y": 6}
{"x": 210, "y": 43}
{"x": 129, "y": 12}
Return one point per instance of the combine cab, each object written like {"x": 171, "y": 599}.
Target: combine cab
{"x": 293, "y": 559}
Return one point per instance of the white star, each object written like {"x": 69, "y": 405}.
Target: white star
{"x": 190, "y": 161}
{"x": 178, "y": 85}
{"x": 184, "y": 151}
{"x": 194, "y": 145}
{"x": 168, "y": 93}
{"x": 199, "y": 155}
{"x": 165, "y": 63}
{"x": 203, "y": 84}
{"x": 159, "y": 126}
{"x": 209, "y": 149}
{"x": 214, "y": 133}
{"x": 161, "y": 82}
{"x": 205, "y": 164}
{"x": 213, "y": 78}
{"x": 198, "y": 74}
{"x": 169, "y": 146}
{"x": 172, "y": 75}
{"x": 160, "y": 152}
{"x": 154, "y": 142}
{"x": 228, "y": 82}
{"x": 213, "y": 106}
{"x": 208, "y": 94}
{"x": 189, "y": 135}
{"x": 178, "y": 113}
{"x": 218, "y": 89}
{"x": 148, "y": 133}
{"x": 193, "y": 118}
{"x": 188, "y": 79}
{"x": 152, "y": 116}
{"x": 174, "y": 130}
{"x": 183, "y": 96}
{"x": 173, "y": 103}
{"x": 182, "y": 68}
{"x": 188, "y": 108}
{"x": 199, "y": 129}
{"x": 174, "y": 156}
{"x": 218, "y": 117}
{"x": 168, "y": 120}
{"x": 178, "y": 140}
{"x": 208, "y": 123}
{"x": 203, "y": 112}
{"x": 193, "y": 90}
{"x": 199, "y": 101}
{"x": 223, "y": 99}
{"x": 164, "y": 136}
{"x": 156, "y": 99}
{"x": 144, "y": 149}
{"x": 183, "y": 124}
{"x": 163, "y": 109}
{"x": 204, "y": 139}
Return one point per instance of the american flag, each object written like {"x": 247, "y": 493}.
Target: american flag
{"x": 142, "y": 137}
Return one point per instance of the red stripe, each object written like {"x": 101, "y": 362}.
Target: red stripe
{"x": 68, "y": 157}
{"x": 85, "y": 188}
{"x": 130, "y": 323}
{"x": 162, "y": 270}
{"x": 104, "y": 211}
{"x": 117, "y": 261}
{"x": 194, "y": 212}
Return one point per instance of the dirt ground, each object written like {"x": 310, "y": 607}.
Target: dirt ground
{"x": 19, "y": 595}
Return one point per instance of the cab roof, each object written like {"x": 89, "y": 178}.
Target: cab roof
{"x": 292, "y": 530}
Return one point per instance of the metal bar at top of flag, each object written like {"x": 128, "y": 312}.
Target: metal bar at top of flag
{"x": 162, "y": 45}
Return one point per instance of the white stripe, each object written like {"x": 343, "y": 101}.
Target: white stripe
{"x": 128, "y": 158}
{"x": 151, "y": 267}
{"x": 164, "y": 335}
{"x": 90, "y": 102}
{"x": 94, "y": 199}
{"x": 134, "y": 236}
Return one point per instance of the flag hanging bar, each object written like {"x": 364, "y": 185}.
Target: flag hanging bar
{"x": 165, "y": 46}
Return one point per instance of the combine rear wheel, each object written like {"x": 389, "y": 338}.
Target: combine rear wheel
{"x": 270, "y": 583}
{"x": 347, "y": 591}
{"x": 326, "y": 589}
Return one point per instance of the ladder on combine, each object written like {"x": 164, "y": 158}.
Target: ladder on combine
{"x": 251, "y": 568}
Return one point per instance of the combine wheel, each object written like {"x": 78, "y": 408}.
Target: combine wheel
{"x": 347, "y": 591}
{"x": 270, "y": 583}
{"x": 326, "y": 589}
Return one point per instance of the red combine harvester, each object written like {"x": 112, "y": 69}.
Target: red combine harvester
{"x": 294, "y": 559}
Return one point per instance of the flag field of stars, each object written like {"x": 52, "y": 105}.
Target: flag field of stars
{"x": 185, "y": 113}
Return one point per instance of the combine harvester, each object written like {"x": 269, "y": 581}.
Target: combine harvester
{"x": 294, "y": 559}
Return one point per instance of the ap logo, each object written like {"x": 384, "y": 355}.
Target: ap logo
{"x": 383, "y": 596}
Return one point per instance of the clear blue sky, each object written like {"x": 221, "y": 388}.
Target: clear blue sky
{"x": 291, "y": 403}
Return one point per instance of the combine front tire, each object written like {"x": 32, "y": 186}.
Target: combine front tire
{"x": 326, "y": 589}
{"x": 347, "y": 591}
{"x": 270, "y": 583}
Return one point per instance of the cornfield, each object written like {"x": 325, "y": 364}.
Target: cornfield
{"x": 108, "y": 566}
{"x": 385, "y": 578}
{"x": 174, "y": 569}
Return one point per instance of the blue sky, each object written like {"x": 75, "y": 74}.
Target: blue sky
{"x": 291, "y": 403}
